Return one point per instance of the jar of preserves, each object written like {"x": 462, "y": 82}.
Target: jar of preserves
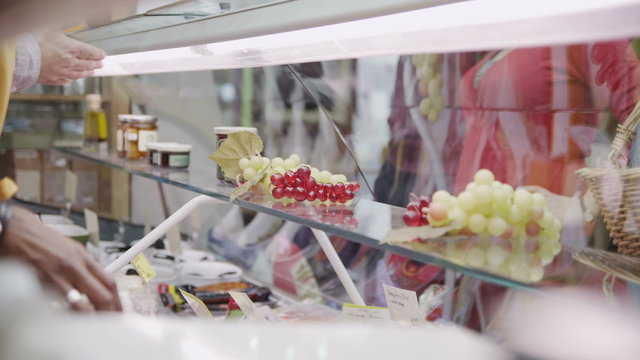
{"x": 141, "y": 130}
{"x": 173, "y": 155}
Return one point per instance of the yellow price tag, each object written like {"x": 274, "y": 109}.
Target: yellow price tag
{"x": 145, "y": 270}
{"x": 196, "y": 305}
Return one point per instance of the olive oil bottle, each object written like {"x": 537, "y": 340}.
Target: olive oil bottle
{"x": 96, "y": 133}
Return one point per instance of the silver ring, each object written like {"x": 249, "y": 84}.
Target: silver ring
{"x": 74, "y": 296}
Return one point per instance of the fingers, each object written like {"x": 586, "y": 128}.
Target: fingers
{"x": 61, "y": 78}
{"x": 64, "y": 287}
{"x": 101, "y": 298}
{"x": 107, "y": 282}
{"x": 101, "y": 291}
{"x": 85, "y": 51}
{"x": 82, "y": 65}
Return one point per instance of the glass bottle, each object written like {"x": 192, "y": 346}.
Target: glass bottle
{"x": 96, "y": 132}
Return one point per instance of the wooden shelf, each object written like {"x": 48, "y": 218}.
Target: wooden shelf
{"x": 51, "y": 97}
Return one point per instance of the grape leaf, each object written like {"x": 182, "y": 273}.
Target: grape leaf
{"x": 246, "y": 187}
{"x": 408, "y": 234}
{"x": 236, "y": 146}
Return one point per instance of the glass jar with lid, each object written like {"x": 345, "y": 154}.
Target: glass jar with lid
{"x": 141, "y": 130}
{"x": 173, "y": 155}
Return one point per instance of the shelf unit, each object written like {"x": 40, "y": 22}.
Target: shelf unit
{"x": 375, "y": 219}
{"x": 299, "y": 31}
{"x": 51, "y": 98}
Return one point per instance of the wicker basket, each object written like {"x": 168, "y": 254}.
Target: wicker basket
{"x": 617, "y": 190}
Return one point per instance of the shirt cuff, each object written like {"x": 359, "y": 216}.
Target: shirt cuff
{"x": 27, "y": 69}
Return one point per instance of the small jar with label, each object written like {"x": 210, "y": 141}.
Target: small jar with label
{"x": 123, "y": 124}
{"x": 142, "y": 129}
{"x": 174, "y": 155}
{"x": 222, "y": 132}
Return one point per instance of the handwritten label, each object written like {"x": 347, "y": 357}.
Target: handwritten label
{"x": 92, "y": 225}
{"x": 403, "y": 305}
{"x": 365, "y": 314}
{"x": 173, "y": 238}
{"x": 247, "y": 306}
{"x": 70, "y": 186}
{"x": 144, "y": 269}
{"x": 196, "y": 305}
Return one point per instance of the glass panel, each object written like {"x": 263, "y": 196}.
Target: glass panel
{"x": 365, "y": 222}
{"x": 416, "y": 124}
{"x": 173, "y": 14}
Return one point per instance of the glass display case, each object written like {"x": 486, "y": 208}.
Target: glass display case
{"x": 488, "y": 165}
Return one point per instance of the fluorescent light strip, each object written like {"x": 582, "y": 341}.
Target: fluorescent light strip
{"x": 465, "y": 26}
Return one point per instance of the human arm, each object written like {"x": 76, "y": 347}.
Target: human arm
{"x": 53, "y": 59}
{"x": 59, "y": 261}
{"x": 65, "y": 59}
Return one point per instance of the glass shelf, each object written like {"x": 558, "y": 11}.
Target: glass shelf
{"x": 364, "y": 221}
{"x": 173, "y": 14}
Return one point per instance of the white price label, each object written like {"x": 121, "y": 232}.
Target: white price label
{"x": 247, "y": 306}
{"x": 365, "y": 314}
{"x": 403, "y": 305}
{"x": 93, "y": 226}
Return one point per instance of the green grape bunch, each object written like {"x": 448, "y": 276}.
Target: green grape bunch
{"x": 514, "y": 232}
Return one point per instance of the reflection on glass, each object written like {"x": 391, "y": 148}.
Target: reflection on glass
{"x": 172, "y": 14}
{"x": 418, "y": 124}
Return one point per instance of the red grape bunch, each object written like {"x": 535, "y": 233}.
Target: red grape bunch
{"x": 301, "y": 186}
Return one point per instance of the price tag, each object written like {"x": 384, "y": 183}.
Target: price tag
{"x": 93, "y": 227}
{"x": 147, "y": 222}
{"x": 173, "y": 238}
{"x": 403, "y": 305}
{"x": 70, "y": 186}
{"x": 247, "y": 306}
{"x": 365, "y": 314}
{"x": 145, "y": 270}
{"x": 196, "y": 305}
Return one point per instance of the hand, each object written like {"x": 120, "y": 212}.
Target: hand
{"x": 59, "y": 261}
{"x": 64, "y": 59}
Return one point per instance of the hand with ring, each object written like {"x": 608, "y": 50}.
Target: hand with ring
{"x": 78, "y": 300}
{"x": 60, "y": 262}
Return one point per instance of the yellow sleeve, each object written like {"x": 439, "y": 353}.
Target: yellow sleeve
{"x": 7, "y": 63}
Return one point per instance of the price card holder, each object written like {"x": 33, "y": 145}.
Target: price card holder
{"x": 70, "y": 186}
{"x": 144, "y": 269}
{"x": 403, "y": 305}
{"x": 247, "y": 306}
{"x": 196, "y": 305}
{"x": 93, "y": 226}
{"x": 365, "y": 314}
{"x": 175, "y": 243}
